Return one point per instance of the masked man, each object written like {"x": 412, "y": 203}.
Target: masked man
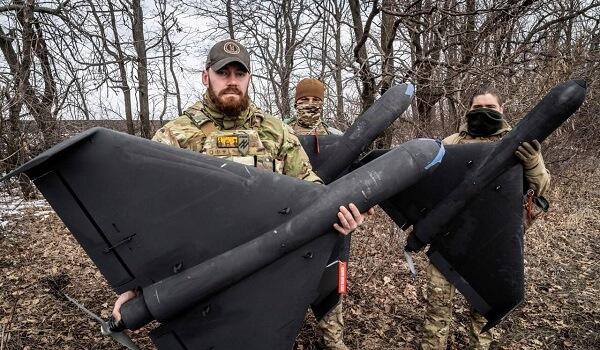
{"x": 485, "y": 123}
{"x": 308, "y": 121}
{"x": 309, "y": 109}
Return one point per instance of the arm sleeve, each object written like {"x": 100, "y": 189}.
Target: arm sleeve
{"x": 538, "y": 178}
{"x": 452, "y": 139}
{"x": 164, "y": 135}
{"x": 181, "y": 133}
{"x": 296, "y": 162}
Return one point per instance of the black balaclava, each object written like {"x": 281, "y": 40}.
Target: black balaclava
{"x": 484, "y": 121}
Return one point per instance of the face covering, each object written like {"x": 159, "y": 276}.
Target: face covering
{"x": 309, "y": 113}
{"x": 484, "y": 121}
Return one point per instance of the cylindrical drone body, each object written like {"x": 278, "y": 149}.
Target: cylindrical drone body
{"x": 367, "y": 186}
{"x": 366, "y": 129}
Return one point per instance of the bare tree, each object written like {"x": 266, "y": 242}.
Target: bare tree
{"x": 361, "y": 33}
{"x": 33, "y": 49}
{"x": 137, "y": 19}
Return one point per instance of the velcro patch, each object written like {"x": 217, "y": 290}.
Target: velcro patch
{"x": 227, "y": 141}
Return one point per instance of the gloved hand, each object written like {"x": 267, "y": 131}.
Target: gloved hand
{"x": 529, "y": 154}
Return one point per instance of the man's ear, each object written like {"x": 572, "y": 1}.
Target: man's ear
{"x": 205, "y": 77}
{"x": 502, "y": 109}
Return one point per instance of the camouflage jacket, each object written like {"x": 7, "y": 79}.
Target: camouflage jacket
{"x": 308, "y": 119}
{"x": 322, "y": 129}
{"x": 538, "y": 178}
{"x": 189, "y": 131}
{"x": 319, "y": 129}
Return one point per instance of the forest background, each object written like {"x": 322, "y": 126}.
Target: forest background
{"x": 133, "y": 65}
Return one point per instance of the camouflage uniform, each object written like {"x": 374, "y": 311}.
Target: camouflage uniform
{"x": 204, "y": 129}
{"x": 332, "y": 327}
{"x": 537, "y": 177}
{"x": 272, "y": 144}
{"x": 308, "y": 122}
{"x": 440, "y": 292}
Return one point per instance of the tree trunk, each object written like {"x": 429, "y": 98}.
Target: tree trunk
{"x": 142, "y": 68}
{"x": 388, "y": 33}
{"x": 367, "y": 93}
{"x": 18, "y": 152}
{"x": 229, "y": 19}
{"x": 124, "y": 84}
{"x": 339, "y": 89}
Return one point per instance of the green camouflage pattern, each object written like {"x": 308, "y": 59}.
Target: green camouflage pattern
{"x": 191, "y": 130}
{"x": 438, "y": 317}
{"x": 308, "y": 119}
{"x": 332, "y": 326}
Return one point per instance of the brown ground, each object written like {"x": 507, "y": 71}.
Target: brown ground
{"x": 384, "y": 308}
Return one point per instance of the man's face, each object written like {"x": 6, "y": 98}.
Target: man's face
{"x": 486, "y": 101}
{"x": 308, "y": 99}
{"x": 228, "y": 88}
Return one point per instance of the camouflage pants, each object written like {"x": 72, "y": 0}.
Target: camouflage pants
{"x": 438, "y": 317}
{"x": 332, "y": 326}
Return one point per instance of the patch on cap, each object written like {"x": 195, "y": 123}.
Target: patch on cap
{"x": 225, "y": 52}
{"x": 231, "y": 48}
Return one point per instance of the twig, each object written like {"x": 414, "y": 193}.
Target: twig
{"x": 561, "y": 160}
{"x": 12, "y": 313}
{"x": 2, "y": 338}
{"x": 372, "y": 272}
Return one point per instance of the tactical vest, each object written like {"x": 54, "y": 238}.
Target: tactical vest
{"x": 242, "y": 146}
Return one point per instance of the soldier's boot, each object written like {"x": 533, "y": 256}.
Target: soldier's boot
{"x": 478, "y": 340}
{"x": 438, "y": 314}
{"x": 332, "y": 326}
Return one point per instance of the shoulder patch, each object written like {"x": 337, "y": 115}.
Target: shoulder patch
{"x": 196, "y": 115}
{"x": 198, "y": 119}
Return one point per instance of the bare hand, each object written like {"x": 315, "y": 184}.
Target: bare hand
{"x": 350, "y": 219}
{"x": 122, "y": 299}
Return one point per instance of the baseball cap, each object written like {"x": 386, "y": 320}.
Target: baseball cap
{"x": 225, "y": 52}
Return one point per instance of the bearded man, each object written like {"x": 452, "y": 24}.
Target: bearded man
{"x": 226, "y": 124}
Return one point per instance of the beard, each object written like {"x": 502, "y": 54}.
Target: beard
{"x": 228, "y": 105}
